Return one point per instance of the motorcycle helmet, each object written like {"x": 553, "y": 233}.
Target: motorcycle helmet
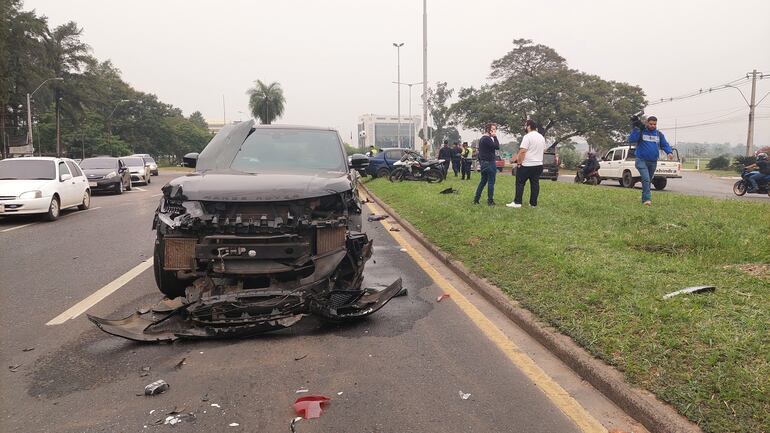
{"x": 762, "y": 156}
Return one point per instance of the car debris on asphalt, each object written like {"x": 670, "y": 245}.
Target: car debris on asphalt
{"x": 28, "y": 349}
{"x": 294, "y": 422}
{"x": 375, "y": 217}
{"x": 464, "y": 396}
{"x": 442, "y": 297}
{"x": 14, "y": 368}
{"x": 696, "y": 289}
{"x": 395, "y": 229}
{"x": 402, "y": 292}
{"x": 180, "y": 363}
{"x": 157, "y": 387}
{"x": 309, "y": 406}
{"x": 301, "y": 357}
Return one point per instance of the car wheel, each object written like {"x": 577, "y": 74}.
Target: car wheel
{"x": 620, "y": 182}
{"x": 627, "y": 181}
{"x": 577, "y": 178}
{"x": 383, "y": 172}
{"x": 740, "y": 188}
{"x": 659, "y": 183}
{"x": 167, "y": 282}
{"x": 594, "y": 180}
{"x": 119, "y": 188}
{"x": 434, "y": 175}
{"x": 86, "y": 203}
{"x": 53, "y": 209}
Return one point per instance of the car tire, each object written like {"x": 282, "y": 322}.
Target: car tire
{"x": 434, "y": 175}
{"x": 382, "y": 172}
{"x": 167, "y": 282}
{"x": 627, "y": 181}
{"x": 659, "y": 183}
{"x": 86, "y": 203}
{"x": 54, "y": 209}
{"x": 119, "y": 189}
{"x": 620, "y": 182}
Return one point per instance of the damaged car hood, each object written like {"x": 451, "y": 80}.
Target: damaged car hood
{"x": 230, "y": 185}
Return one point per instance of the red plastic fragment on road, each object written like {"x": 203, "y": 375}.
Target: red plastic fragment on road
{"x": 309, "y": 406}
{"x": 442, "y": 297}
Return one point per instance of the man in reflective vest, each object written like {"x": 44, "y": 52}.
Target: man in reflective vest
{"x": 466, "y": 156}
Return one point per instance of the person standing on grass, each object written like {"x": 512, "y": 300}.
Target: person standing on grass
{"x": 529, "y": 165}
{"x": 466, "y": 160}
{"x": 648, "y": 142}
{"x": 445, "y": 153}
{"x": 456, "y": 158}
{"x": 487, "y": 147}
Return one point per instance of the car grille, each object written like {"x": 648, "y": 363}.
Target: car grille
{"x": 7, "y": 197}
{"x": 93, "y": 177}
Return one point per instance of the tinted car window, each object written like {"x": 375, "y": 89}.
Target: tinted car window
{"x": 97, "y": 163}
{"x": 394, "y": 154}
{"x": 74, "y": 169}
{"x": 618, "y": 155}
{"x": 609, "y": 154}
{"x": 287, "y": 149}
{"x": 27, "y": 169}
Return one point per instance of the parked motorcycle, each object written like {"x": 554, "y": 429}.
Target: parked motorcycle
{"x": 742, "y": 186}
{"x": 410, "y": 167}
{"x": 592, "y": 178}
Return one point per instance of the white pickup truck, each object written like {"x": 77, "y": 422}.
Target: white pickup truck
{"x": 619, "y": 164}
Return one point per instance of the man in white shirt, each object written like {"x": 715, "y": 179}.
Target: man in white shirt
{"x": 529, "y": 165}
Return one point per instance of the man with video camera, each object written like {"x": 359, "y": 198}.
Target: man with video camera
{"x": 649, "y": 141}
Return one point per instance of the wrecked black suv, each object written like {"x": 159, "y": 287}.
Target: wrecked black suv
{"x": 266, "y": 230}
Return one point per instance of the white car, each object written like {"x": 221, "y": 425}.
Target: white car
{"x": 151, "y": 161}
{"x": 619, "y": 164}
{"x": 42, "y": 185}
{"x": 139, "y": 169}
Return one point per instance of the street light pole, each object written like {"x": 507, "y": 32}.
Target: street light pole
{"x": 425, "y": 71}
{"x": 398, "y": 56}
{"x": 30, "y": 141}
{"x": 411, "y": 121}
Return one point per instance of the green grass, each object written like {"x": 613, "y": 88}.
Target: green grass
{"x": 595, "y": 263}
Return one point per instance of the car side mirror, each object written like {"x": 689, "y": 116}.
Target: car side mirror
{"x": 190, "y": 159}
{"x": 65, "y": 177}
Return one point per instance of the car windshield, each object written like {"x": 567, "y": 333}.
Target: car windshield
{"x": 97, "y": 163}
{"x": 134, "y": 162}
{"x": 285, "y": 149}
{"x": 11, "y": 169}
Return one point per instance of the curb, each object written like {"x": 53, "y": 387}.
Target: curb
{"x": 643, "y": 406}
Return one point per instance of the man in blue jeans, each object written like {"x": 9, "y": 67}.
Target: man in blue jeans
{"x": 487, "y": 147}
{"x": 648, "y": 141}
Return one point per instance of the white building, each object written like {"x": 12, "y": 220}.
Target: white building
{"x": 386, "y": 131}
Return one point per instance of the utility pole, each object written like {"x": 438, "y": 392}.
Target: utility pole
{"x": 752, "y": 105}
{"x": 58, "y": 130}
{"x": 425, "y": 70}
{"x": 398, "y": 88}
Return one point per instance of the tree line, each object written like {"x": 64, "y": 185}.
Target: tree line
{"x": 98, "y": 112}
{"x": 534, "y": 81}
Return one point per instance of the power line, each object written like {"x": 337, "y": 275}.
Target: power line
{"x": 701, "y": 92}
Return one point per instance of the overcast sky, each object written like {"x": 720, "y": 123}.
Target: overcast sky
{"x": 335, "y": 59}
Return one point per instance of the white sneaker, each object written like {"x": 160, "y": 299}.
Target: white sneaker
{"x": 512, "y": 204}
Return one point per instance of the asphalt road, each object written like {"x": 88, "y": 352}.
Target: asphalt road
{"x": 402, "y": 370}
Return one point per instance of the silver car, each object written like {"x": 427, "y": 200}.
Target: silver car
{"x": 139, "y": 169}
{"x": 148, "y": 159}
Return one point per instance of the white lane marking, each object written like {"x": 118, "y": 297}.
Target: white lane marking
{"x": 83, "y": 306}
{"x": 156, "y": 195}
{"x": 17, "y": 227}
{"x": 140, "y": 189}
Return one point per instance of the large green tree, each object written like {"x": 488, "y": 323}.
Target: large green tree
{"x": 534, "y": 81}
{"x": 266, "y": 101}
{"x": 439, "y": 111}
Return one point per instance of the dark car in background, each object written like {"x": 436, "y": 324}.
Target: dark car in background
{"x": 381, "y": 164}
{"x": 550, "y": 164}
{"x": 106, "y": 174}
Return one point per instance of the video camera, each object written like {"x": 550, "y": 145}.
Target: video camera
{"x": 636, "y": 121}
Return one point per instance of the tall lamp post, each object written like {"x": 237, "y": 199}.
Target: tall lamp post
{"x": 398, "y": 57}
{"x": 411, "y": 121}
{"x": 30, "y": 142}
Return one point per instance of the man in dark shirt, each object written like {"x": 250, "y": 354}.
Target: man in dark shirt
{"x": 487, "y": 147}
{"x": 445, "y": 153}
{"x": 456, "y": 158}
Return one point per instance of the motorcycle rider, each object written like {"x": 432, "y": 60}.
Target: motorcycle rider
{"x": 763, "y": 173}
{"x": 590, "y": 165}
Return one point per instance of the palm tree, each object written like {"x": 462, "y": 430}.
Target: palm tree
{"x": 266, "y": 101}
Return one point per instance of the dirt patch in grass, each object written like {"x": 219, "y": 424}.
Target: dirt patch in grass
{"x": 761, "y": 271}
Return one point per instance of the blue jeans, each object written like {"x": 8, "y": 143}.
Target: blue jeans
{"x": 755, "y": 178}
{"x": 646, "y": 171}
{"x": 488, "y": 174}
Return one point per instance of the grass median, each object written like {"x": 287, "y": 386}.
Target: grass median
{"x": 594, "y": 263}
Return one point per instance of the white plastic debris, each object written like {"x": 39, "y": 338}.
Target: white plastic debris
{"x": 152, "y": 411}
{"x": 215, "y": 405}
{"x": 340, "y": 393}
{"x": 301, "y": 390}
{"x": 234, "y": 424}
{"x": 696, "y": 289}
{"x": 464, "y": 396}
{"x": 403, "y": 250}
{"x": 171, "y": 420}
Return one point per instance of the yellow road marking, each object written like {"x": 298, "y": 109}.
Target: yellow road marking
{"x": 561, "y": 398}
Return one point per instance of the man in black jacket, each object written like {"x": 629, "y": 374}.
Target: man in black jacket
{"x": 487, "y": 147}
{"x": 456, "y": 158}
{"x": 445, "y": 153}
